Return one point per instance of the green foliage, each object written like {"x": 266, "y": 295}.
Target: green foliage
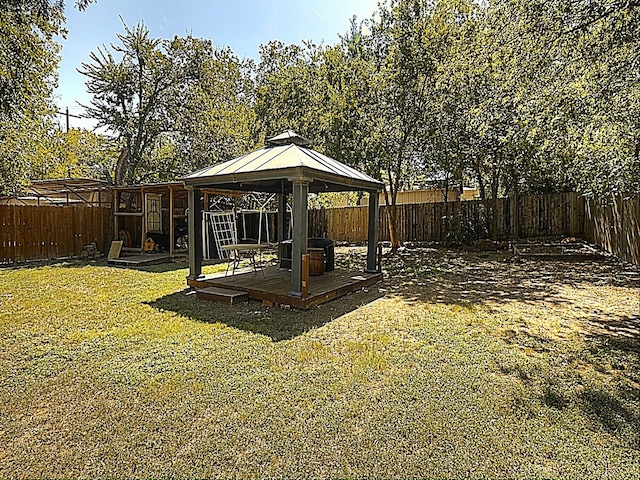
{"x": 507, "y": 95}
{"x": 27, "y": 149}
{"x": 81, "y": 153}
{"x": 29, "y": 54}
{"x": 215, "y": 108}
{"x": 28, "y": 61}
{"x": 130, "y": 94}
{"x": 516, "y": 96}
{"x": 169, "y": 101}
{"x": 604, "y": 76}
{"x": 289, "y": 89}
{"x": 29, "y": 58}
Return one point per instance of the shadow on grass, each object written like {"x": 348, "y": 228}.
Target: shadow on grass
{"x": 159, "y": 268}
{"x": 617, "y": 346}
{"x": 612, "y": 415}
{"x": 274, "y": 322}
{"x": 172, "y": 266}
{"x": 622, "y": 333}
{"x": 614, "y": 356}
{"x": 57, "y": 262}
{"x": 495, "y": 279}
{"x": 554, "y": 399}
{"x": 179, "y": 264}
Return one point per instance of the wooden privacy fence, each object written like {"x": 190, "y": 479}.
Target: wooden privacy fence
{"x": 615, "y": 226}
{"x": 43, "y": 232}
{"x": 529, "y": 216}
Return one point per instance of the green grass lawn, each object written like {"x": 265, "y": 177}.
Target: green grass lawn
{"x": 456, "y": 365}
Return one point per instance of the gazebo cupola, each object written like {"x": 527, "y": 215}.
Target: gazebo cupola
{"x": 288, "y": 137}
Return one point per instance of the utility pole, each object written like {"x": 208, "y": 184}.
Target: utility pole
{"x": 67, "y": 115}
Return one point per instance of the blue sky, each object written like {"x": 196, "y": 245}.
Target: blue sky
{"x": 242, "y": 24}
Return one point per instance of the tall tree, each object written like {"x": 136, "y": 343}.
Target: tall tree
{"x": 28, "y": 63}
{"x": 289, "y": 89}
{"x": 169, "y": 101}
{"x": 29, "y": 53}
{"x": 351, "y": 122}
{"x": 405, "y": 74}
{"x": 601, "y": 41}
{"x": 215, "y": 107}
{"x": 130, "y": 95}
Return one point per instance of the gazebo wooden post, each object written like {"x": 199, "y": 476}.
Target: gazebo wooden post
{"x": 282, "y": 217}
{"x": 282, "y": 212}
{"x": 372, "y": 243}
{"x": 300, "y": 234}
{"x": 195, "y": 233}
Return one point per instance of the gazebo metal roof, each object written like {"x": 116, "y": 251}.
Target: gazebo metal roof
{"x": 286, "y": 158}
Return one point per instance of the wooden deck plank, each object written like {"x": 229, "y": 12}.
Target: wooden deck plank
{"x": 276, "y": 283}
{"x": 143, "y": 260}
{"x": 140, "y": 260}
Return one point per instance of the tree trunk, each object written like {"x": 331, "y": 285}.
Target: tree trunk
{"x": 514, "y": 204}
{"x": 494, "y": 210}
{"x": 447, "y": 220}
{"x": 392, "y": 216}
{"x": 122, "y": 167}
{"x": 495, "y": 187}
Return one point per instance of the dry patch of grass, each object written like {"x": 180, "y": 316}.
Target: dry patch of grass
{"x": 458, "y": 364}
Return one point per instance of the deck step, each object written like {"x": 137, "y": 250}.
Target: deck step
{"x": 222, "y": 295}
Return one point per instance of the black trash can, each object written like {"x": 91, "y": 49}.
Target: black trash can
{"x": 285, "y": 253}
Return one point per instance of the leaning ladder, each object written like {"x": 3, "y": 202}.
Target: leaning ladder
{"x": 223, "y": 226}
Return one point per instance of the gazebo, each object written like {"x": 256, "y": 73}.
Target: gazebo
{"x": 285, "y": 165}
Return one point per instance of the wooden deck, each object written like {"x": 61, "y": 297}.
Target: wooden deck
{"x": 273, "y": 287}
{"x": 140, "y": 260}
